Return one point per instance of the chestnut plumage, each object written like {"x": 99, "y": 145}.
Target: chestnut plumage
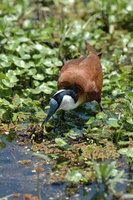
{"x": 80, "y": 81}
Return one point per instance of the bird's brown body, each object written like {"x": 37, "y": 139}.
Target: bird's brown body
{"x": 85, "y": 75}
{"x": 80, "y": 81}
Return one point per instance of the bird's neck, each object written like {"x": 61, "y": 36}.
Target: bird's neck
{"x": 67, "y": 103}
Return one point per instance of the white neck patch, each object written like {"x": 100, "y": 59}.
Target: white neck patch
{"x": 59, "y": 91}
{"x": 68, "y": 103}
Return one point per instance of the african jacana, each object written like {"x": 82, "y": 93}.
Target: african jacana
{"x": 80, "y": 81}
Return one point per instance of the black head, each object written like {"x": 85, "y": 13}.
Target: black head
{"x": 59, "y": 99}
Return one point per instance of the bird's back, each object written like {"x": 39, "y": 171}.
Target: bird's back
{"x": 85, "y": 73}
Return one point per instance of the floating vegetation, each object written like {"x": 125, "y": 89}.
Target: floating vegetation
{"x": 90, "y": 149}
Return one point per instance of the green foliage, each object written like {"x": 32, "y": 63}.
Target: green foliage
{"x": 126, "y": 151}
{"x": 36, "y": 39}
{"x": 108, "y": 175}
{"x": 74, "y": 176}
{"x": 90, "y": 121}
{"x": 113, "y": 122}
{"x": 32, "y": 51}
{"x": 62, "y": 143}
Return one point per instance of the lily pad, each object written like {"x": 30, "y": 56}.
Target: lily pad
{"x": 101, "y": 115}
{"x": 130, "y": 120}
{"x": 90, "y": 121}
{"x": 74, "y": 176}
{"x": 62, "y": 143}
{"x": 38, "y": 77}
{"x": 113, "y": 122}
{"x": 126, "y": 151}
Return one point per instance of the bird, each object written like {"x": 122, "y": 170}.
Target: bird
{"x": 80, "y": 81}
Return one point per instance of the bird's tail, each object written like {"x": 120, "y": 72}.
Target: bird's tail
{"x": 89, "y": 47}
{"x": 92, "y": 50}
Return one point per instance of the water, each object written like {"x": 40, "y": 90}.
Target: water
{"x": 23, "y": 179}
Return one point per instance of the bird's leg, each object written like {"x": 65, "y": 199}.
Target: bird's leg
{"x": 101, "y": 107}
{"x": 42, "y": 125}
{"x": 62, "y": 115}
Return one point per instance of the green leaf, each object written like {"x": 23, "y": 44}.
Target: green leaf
{"x": 126, "y": 151}
{"x": 41, "y": 156}
{"x": 101, "y": 115}
{"x": 98, "y": 33}
{"x": 19, "y": 71}
{"x": 114, "y": 76}
{"x": 128, "y": 160}
{"x": 130, "y": 95}
{"x": 49, "y": 71}
{"x": 130, "y": 120}
{"x": 12, "y": 46}
{"x": 2, "y": 25}
{"x": 23, "y": 39}
{"x": 38, "y": 47}
{"x": 91, "y": 120}
{"x": 42, "y": 88}
{"x": 74, "y": 176}
{"x": 89, "y": 163}
{"x": 130, "y": 152}
{"x": 4, "y": 60}
{"x": 116, "y": 92}
{"x": 105, "y": 170}
{"x": 2, "y": 76}
{"x": 21, "y": 63}
{"x": 26, "y": 56}
{"x": 113, "y": 122}
{"x": 52, "y": 83}
{"x": 48, "y": 63}
{"x": 123, "y": 143}
{"x": 36, "y": 56}
{"x": 62, "y": 143}
{"x": 38, "y": 77}
{"x": 12, "y": 76}
{"x": 3, "y": 57}
{"x": 17, "y": 101}
{"x": 32, "y": 71}
{"x": 11, "y": 79}
{"x": 2, "y": 111}
{"x": 73, "y": 134}
{"x": 123, "y": 151}
{"x": 57, "y": 62}
{"x": 129, "y": 133}
{"x": 7, "y": 83}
